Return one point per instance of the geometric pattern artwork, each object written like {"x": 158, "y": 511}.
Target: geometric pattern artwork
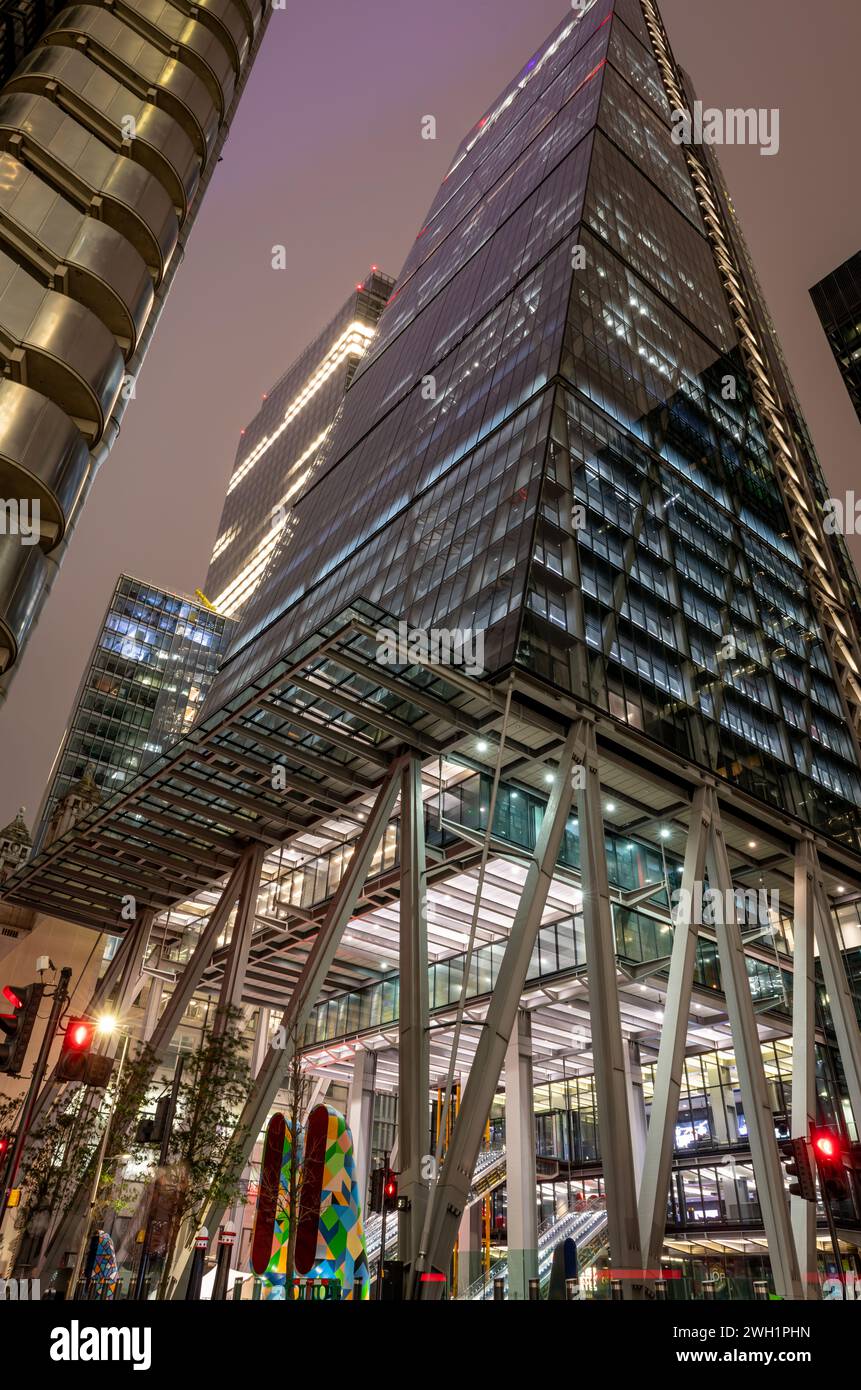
{"x": 331, "y": 1193}
{"x": 273, "y": 1216}
{"x": 105, "y": 1269}
{"x": 330, "y": 1242}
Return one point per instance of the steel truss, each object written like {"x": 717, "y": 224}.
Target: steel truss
{"x": 351, "y": 733}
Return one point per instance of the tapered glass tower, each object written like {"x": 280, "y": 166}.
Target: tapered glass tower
{"x": 277, "y": 453}
{"x": 574, "y": 433}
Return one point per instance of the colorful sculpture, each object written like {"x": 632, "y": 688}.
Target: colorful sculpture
{"x": 105, "y": 1271}
{"x": 330, "y": 1241}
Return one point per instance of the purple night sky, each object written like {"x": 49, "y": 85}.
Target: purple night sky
{"x": 325, "y": 156}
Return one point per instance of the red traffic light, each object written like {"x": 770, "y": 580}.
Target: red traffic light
{"x": 4, "y": 1147}
{"x": 826, "y": 1147}
{"x": 9, "y": 993}
{"x": 391, "y": 1188}
{"x": 79, "y": 1034}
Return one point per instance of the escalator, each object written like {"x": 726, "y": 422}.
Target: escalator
{"x": 586, "y": 1226}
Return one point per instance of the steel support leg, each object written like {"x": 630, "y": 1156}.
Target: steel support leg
{"x": 751, "y": 1073}
{"x": 840, "y": 1002}
{"x": 317, "y": 966}
{"x": 414, "y": 1021}
{"x": 360, "y": 1115}
{"x": 131, "y": 980}
{"x": 449, "y": 1198}
{"x": 236, "y": 960}
{"x": 636, "y": 1106}
{"x": 118, "y": 969}
{"x": 153, "y": 1004}
{"x": 261, "y": 1040}
{"x": 522, "y": 1206}
{"x": 63, "y": 1238}
{"x": 200, "y": 958}
{"x": 803, "y": 1051}
{"x": 655, "y": 1183}
{"x": 611, "y": 1097}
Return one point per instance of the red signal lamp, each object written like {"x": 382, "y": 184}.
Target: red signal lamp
{"x": 79, "y": 1034}
{"x": 826, "y": 1146}
{"x": 9, "y": 993}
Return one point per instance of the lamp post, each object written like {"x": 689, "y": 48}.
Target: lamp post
{"x": 105, "y": 1025}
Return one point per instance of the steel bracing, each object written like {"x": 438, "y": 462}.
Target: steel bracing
{"x": 372, "y": 773}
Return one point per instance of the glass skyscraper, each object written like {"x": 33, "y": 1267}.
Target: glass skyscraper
{"x": 277, "y": 451}
{"x": 837, "y": 301}
{"x": 152, "y": 664}
{"x": 574, "y": 432}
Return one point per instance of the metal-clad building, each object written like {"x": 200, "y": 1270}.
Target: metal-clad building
{"x": 111, "y": 122}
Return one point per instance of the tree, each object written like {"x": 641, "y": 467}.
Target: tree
{"x": 298, "y": 1088}
{"x": 204, "y": 1138}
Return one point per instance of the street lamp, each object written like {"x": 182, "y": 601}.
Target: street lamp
{"x": 106, "y": 1024}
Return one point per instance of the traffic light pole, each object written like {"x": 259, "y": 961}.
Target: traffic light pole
{"x": 384, "y": 1214}
{"x": 60, "y": 996}
{"x": 164, "y": 1153}
{"x": 832, "y": 1229}
{"x": 100, "y": 1163}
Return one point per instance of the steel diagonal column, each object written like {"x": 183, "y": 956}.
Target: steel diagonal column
{"x": 803, "y": 1050}
{"x": 236, "y": 963}
{"x": 117, "y": 971}
{"x": 62, "y": 1239}
{"x": 414, "y": 1022}
{"x": 200, "y": 958}
{"x": 655, "y": 1183}
{"x": 751, "y": 1074}
{"x": 455, "y": 1178}
{"x": 131, "y": 980}
{"x": 841, "y": 1005}
{"x": 521, "y": 1197}
{"x": 360, "y": 1115}
{"x": 608, "y": 1046}
{"x": 317, "y": 966}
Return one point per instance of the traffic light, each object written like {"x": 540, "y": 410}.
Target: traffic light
{"x": 390, "y": 1191}
{"x": 76, "y": 1063}
{"x": 375, "y": 1198}
{"x": 828, "y": 1151}
{"x": 18, "y": 1025}
{"x": 800, "y": 1168}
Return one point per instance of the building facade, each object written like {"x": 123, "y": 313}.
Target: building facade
{"x": 476, "y": 890}
{"x": 144, "y": 685}
{"x": 277, "y": 453}
{"x": 110, "y": 127}
{"x": 588, "y": 479}
{"x": 837, "y": 301}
